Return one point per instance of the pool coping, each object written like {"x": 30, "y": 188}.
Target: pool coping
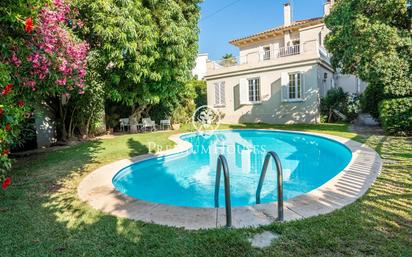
{"x": 350, "y": 184}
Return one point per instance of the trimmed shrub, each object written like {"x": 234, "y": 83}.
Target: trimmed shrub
{"x": 396, "y": 115}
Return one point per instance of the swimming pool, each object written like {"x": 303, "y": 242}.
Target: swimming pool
{"x": 188, "y": 178}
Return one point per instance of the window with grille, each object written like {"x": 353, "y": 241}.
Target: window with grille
{"x": 266, "y": 53}
{"x": 254, "y": 90}
{"x": 295, "y": 86}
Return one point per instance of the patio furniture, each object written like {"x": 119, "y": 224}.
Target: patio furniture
{"x": 165, "y": 123}
{"x": 148, "y": 123}
{"x": 124, "y": 124}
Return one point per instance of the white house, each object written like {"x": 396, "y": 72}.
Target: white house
{"x": 199, "y": 71}
{"x": 279, "y": 76}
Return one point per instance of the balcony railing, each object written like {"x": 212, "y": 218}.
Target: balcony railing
{"x": 273, "y": 54}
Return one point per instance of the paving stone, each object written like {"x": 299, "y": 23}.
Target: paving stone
{"x": 263, "y": 240}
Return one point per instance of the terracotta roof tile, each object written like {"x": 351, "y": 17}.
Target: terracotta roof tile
{"x": 280, "y": 28}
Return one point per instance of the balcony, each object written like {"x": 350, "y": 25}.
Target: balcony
{"x": 281, "y": 52}
{"x": 259, "y": 59}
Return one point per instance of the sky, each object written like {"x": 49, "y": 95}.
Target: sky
{"x": 224, "y": 20}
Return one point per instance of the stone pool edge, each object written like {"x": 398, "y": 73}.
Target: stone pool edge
{"x": 350, "y": 184}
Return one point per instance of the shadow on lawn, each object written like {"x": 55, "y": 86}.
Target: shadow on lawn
{"x": 63, "y": 225}
{"x": 53, "y": 221}
{"x": 136, "y": 148}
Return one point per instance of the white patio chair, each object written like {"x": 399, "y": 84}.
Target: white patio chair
{"x": 148, "y": 123}
{"x": 165, "y": 123}
{"x": 124, "y": 124}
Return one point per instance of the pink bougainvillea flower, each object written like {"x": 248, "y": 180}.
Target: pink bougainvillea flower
{"x": 7, "y": 89}
{"x": 20, "y": 103}
{"x": 1, "y": 111}
{"x": 15, "y": 60}
{"x": 8, "y": 126}
{"x": 28, "y": 25}
{"x": 6, "y": 183}
{"x": 61, "y": 82}
{"x": 53, "y": 38}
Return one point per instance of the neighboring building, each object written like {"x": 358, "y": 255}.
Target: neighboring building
{"x": 280, "y": 76}
{"x": 201, "y": 66}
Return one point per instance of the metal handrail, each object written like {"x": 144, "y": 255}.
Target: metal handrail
{"x": 222, "y": 163}
{"x": 280, "y": 181}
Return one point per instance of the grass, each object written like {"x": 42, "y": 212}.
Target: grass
{"x": 40, "y": 214}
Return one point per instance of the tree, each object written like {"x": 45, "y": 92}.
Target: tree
{"x": 228, "y": 60}
{"x": 50, "y": 63}
{"x": 372, "y": 39}
{"x": 146, "y": 48}
{"x": 180, "y": 107}
{"x": 200, "y": 88}
{"x": 41, "y": 60}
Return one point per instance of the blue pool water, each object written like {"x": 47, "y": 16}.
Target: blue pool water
{"x": 188, "y": 178}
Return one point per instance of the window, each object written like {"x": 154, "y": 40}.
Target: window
{"x": 220, "y": 94}
{"x": 266, "y": 53}
{"x": 295, "y": 86}
{"x": 320, "y": 39}
{"x": 254, "y": 90}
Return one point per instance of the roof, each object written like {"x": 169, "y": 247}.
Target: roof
{"x": 273, "y": 31}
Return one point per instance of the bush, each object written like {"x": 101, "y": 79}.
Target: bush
{"x": 371, "y": 98}
{"x": 334, "y": 99}
{"x": 396, "y": 115}
{"x": 353, "y": 107}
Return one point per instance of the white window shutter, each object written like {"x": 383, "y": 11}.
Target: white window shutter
{"x": 303, "y": 87}
{"x": 222, "y": 93}
{"x": 261, "y": 55}
{"x": 284, "y": 79}
{"x": 243, "y": 91}
{"x": 217, "y": 94}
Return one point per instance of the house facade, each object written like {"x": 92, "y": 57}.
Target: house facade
{"x": 279, "y": 76}
{"x": 200, "y": 70}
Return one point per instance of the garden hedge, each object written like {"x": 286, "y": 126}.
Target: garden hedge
{"x": 396, "y": 115}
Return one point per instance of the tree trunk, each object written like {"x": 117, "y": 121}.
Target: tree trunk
{"x": 71, "y": 129}
{"x": 62, "y": 125}
{"x": 330, "y": 115}
{"x": 135, "y": 117}
{"x": 88, "y": 123}
{"x": 63, "y": 103}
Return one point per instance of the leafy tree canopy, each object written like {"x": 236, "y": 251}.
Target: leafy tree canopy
{"x": 372, "y": 39}
{"x": 146, "y": 47}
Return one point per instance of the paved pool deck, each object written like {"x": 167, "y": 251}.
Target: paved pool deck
{"x": 97, "y": 190}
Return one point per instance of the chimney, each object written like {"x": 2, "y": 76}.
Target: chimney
{"x": 327, "y": 7}
{"x": 287, "y": 14}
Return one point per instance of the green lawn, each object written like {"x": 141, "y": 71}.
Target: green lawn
{"x": 40, "y": 214}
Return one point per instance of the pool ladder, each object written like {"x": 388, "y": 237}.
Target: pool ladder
{"x": 222, "y": 164}
{"x": 279, "y": 179}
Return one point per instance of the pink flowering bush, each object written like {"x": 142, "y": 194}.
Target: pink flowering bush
{"x": 57, "y": 62}
{"x": 39, "y": 59}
